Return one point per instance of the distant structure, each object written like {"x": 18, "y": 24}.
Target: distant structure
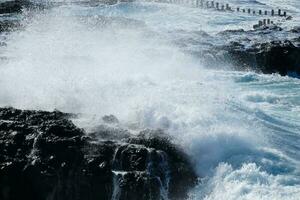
{"x": 226, "y": 7}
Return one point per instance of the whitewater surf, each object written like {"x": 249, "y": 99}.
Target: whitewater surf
{"x": 241, "y": 129}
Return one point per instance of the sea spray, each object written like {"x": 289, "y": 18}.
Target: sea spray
{"x": 64, "y": 59}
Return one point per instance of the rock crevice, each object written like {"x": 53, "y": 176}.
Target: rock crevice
{"x": 43, "y": 155}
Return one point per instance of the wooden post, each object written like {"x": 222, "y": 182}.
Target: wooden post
{"x": 279, "y": 12}
{"x": 260, "y": 12}
{"x": 269, "y": 21}
{"x": 222, "y": 7}
{"x": 272, "y": 12}
{"x": 249, "y": 11}
{"x": 212, "y": 4}
{"x": 260, "y": 23}
{"x": 266, "y": 12}
{"x": 217, "y": 5}
{"x": 253, "y": 12}
{"x": 265, "y": 22}
{"x": 227, "y": 6}
{"x": 244, "y": 10}
{"x": 238, "y": 9}
{"x": 284, "y": 14}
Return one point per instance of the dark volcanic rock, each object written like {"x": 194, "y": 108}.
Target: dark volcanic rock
{"x": 10, "y": 7}
{"x": 265, "y": 49}
{"x": 278, "y": 56}
{"x": 14, "y": 6}
{"x": 272, "y": 57}
{"x": 43, "y": 155}
{"x": 181, "y": 176}
{"x": 9, "y": 25}
{"x": 296, "y": 29}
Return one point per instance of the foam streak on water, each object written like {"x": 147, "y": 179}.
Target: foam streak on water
{"x": 241, "y": 129}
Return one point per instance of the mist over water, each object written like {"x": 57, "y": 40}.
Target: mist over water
{"x": 241, "y": 129}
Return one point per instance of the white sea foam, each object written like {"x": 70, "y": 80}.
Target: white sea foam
{"x": 239, "y": 128}
{"x": 246, "y": 182}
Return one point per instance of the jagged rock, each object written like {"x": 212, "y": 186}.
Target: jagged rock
{"x": 104, "y": 132}
{"x": 43, "y": 155}
{"x": 137, "y": 186}
{"x": 235, "y": 31}
{"x": 272, "y": 57}
{"x": 269, "y": 28}
{"x": 10, "y": 7}
{"x": 261, "y": 50}
{"x": 296, "y": 29}
{"x": 181, "y": 177}
{"x": 267, "y": 49}
{"x": 111, "y": 119}
{"x": 278, "y": 56}
{"x": 9, "y": 25}
{"x": 14, "y": 6}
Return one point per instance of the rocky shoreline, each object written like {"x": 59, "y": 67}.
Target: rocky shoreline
{"x": 267, "y": 49}
{"x": 275, "y": 55}
{"x": 43, "y": 155}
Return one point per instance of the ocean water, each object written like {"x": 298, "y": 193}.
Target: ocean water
{"x": 240, "y": 129}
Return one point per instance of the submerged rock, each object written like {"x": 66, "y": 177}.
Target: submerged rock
{"x": 43, "y": 155}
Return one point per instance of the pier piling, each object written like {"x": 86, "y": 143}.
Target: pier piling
{"x": 226, "y": 7}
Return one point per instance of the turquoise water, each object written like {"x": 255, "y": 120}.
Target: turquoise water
{"x": 241, "y": 129}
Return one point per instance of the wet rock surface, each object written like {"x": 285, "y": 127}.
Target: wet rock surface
{"x": 43, "y": 155}
{"x": 280, "y": 57}
{"x": 266, "y": 49}
{"x": 273, "y": 55}
{"x": 14, "y": 6}
{"x": 9, "y": 25}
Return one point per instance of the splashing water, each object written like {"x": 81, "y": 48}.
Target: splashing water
{"x": 240, "y": 128}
